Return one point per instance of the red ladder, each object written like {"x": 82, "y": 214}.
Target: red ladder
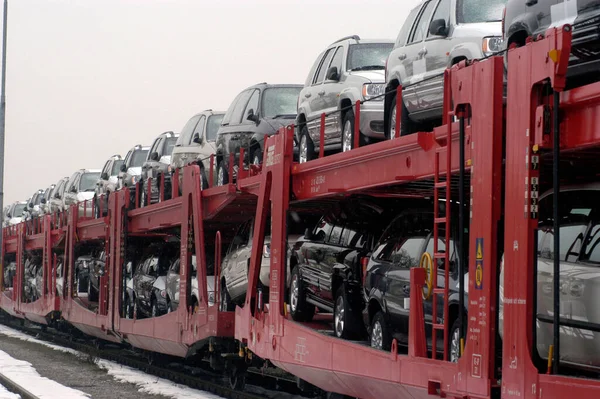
{"x": 441, "y": 191}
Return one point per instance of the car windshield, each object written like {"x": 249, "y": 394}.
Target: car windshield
{"x": 473, "y": 11}
{"x": 170, "y": 145}
{"x": 137, "y": 158}
{"x": 212, "y": 126}
{"x": 368, "y": 56}
{"x": 88, "y": 181}
{"x": 19, "y": 208}
{"x": 116, "y": 168}
{"x": 280, "y": 101}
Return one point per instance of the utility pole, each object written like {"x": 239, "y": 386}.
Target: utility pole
{"x": 2, "y": 127}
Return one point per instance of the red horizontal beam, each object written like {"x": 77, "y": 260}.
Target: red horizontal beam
{"x": 92, "y": 229}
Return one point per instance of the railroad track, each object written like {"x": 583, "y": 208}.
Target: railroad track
{"x": 197, "y": 375}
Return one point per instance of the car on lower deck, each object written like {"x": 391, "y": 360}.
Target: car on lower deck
{"x": 436, "y": 35}
{"x": 579, "y": 213}
{"x": 327, "y": 264}
{"x": 173, "y": 287}
{"x": 387, "y": 282}
{"x": 257, "y": 112}
{"x": 523, "y": 19}
{"x": 349, "y": 70}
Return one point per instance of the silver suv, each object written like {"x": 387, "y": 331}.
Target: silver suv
{"x": 436, "y": 35}
{"x": 349, "y": 70}
{"x": 107, "y": 183}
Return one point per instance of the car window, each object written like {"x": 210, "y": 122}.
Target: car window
{"x": 336, "y": 235}
{"x": 323, "y": 67}
{"x": 199, "y": 129}
{"x": 422, "y": 26}
{"x": 175, "y": 266}
{"x": 169, "y": 145}
{"x": 368, "y": 56}
{"x": 313, "y": 69}
{"x": 337, "y": 59}
{"x": 252, "y": 105}
{"x": 322, "y": 230}
{"x": 441, "y": 12}
{"x": 212, "y": 126}
{"x": 138, "y": 158}
{"x": 229, "y": 111}
{"x": 242, "y": 236}
{"x": 406, "y": 28}
{"x": 18, "y": 211}
{"x": 87, "y": 182}
{"x": 403, "y": 240}
{"x": 355, "y": 237}
{"x": 106, "y": 168}
{"x": 116, "y": 167}
{"x": 71, "y": 182}
{"x": 473, "y": 11}
{"x": 280, "y": 101}
{"x": 237, "y": 113}
{"x": 156, "y": 145}
{"x": 185, "y": 137}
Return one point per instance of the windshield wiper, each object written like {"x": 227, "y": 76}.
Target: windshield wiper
{"x": 368, "y": 67}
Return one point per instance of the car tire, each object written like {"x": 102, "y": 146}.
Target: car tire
{"x": 345, "y": 321}
{"x": 380, "y": 336}
{"x": 142, "y": 190}
{"x": 306, "y": 151}
{"x": 299, "y": 308}
{"x": 203, "y": 178}
{"x": 405, "y": 122}
{"x": 454, "y": 342}
{"x": 225, "y": 303}
{"x": 256, "y": 158}
{"x": 348, "y": 132}
{"x": 222, "y": 174}
{"x": 96, "y": 208}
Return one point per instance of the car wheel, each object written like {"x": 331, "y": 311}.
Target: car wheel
{"x": 454, "y": 342}
{"x": 348, "y": 131}
{"x": 299, "y": 308}
{"x": 257, "y": 157}
{"x": 96, "y": 208}
{"x": 381, "y": 337}
{"x": 405, "y": 122}
{"x": 142, "y": 195}
{"x": 203, "y": 179}
{"x": 129, "y": 308}
{"x": 222, "y": 174}
{"x": 225, "y": 304}
{"x": 307, "y": 147}
{"x": 346, "y": 322}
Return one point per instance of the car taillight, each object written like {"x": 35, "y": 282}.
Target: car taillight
{"x": 503, "y": 19}
{"x": 364, "y": 262}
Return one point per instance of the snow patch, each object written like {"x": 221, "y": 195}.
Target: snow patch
{"x": 23, "y": 374}
{"x": 146, "y": 383}
{"x": 6, "y": 394}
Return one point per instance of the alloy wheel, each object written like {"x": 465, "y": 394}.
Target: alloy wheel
{"x": 339, "y": 315}
{"x": 377, "y": 336}
{"x": 294, "y": 294}
{"x": 256, "y": 160}
{"x": 303, "y": 157}
{"x": 455, "y": 346}
{"x": 347, "y": 136}
{"x": 393, "y": 124}
{"x": 220, "y": 176}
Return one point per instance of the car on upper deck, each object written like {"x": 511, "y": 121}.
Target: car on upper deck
{"x": 80, "y": 190}
{"x": 257, "y": 112}
{"x": 349, "y": 70}
{"x": 107, "y": 183}
{"x": 436, "y": 35}
{"x": 155, "y": 169}
{"x": 131, "y": 169}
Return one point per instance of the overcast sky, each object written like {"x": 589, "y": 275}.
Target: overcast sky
{"x": 88, "y": 79}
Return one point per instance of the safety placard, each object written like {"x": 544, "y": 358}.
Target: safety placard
{"x": 479, "y": 263}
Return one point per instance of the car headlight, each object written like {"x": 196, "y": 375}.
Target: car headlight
{"x": 371, "y": 90}
{"x": 491, "y": 45}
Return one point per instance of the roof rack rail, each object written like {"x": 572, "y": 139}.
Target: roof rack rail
{"x": 355, "y": 37}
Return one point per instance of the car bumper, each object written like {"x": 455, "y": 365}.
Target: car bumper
{"x": 371, "y": 119}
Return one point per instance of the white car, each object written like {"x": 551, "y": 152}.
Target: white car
{"x": 14, "y": 214}
{"x": 579, "y": 275}
{"x": 80, "y": 189}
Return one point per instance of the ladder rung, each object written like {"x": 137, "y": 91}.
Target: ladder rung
{"x": 439, "y": 255}
{"x": 441, "y": 184}
{"x": 437, "y": 326}
{"x": 439, "y": 220}
{"x": 442, "y": 147}
{"x": 439, "y": 291}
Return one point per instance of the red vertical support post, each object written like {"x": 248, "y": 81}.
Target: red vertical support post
{"x": 240, "y": 174}
{"x": 356, "y": 143}
{"x": 218, "y": 269}
{"x": 417, "y": 345}
{"x": 231, "y": 161}
{"x": 175, "y": 184}
{"x": 211, "y": 173}
{"x": 322, "y": 137}
{"x": 161, "y": 190}
{"x": 398, "y": 112}
{"x": 149, "y": 191}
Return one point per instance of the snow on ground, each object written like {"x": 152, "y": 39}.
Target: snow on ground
{"x": 145, "y": 382}
{"x": 5, "y": 394}
{"x": 23, "y": 374}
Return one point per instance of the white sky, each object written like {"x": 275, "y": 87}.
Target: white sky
{"x": 88, "y": 79}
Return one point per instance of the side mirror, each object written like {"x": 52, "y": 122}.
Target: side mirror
{"x": 332, "y": 74}
{"x": 307, "y": 233}
{"x": 30, "y": 205}
{"x": 74, "y": 189}
{"x": 154, "y": 156}
{"x": 104, "y": 176}
{"x": 123, "y": 168}
{"x": 437, "y": 27}
{"x": 251, "y": 116}
{"x": 8, "y": 215}
{"x": 43, "y": 200}
{"x": 197, "y": 139}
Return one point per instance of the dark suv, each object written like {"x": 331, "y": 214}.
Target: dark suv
{"x": 530, "y": 18}
{"x": 327, "y": 265}
{"x": 387, "y": 281}
{"x": 256, "y": 112}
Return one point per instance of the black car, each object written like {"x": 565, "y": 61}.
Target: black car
{"x": 149, "y": 279}
{"x": 387, "y": 281}
{"x": 327, "y": 264}
{"x": 256, "y": 112}
{"x": 531, "y": 18}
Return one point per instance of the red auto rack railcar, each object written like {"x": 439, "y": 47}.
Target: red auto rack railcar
{"x": 496, "y": 153}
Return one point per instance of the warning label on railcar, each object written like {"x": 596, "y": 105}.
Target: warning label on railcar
{"x": 479, "y": 264}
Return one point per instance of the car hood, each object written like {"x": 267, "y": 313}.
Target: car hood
{"x": 85, "y": 195}
{"x": 15, "y": 220}
{"x": 377, "y": 76}
{"x": 277, "y": 123}
{"x": 481, "y": 29}
{"x": 135, "y": 171}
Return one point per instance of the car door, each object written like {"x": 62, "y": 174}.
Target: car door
{"x": 332, "y": 88}
{"x": 70, "y": 197}
{"x": 198, "y": 140}
{"x": 437, "y": 53}
{"x": 211, "y": 128}
{"x": 173, "y": 279}
{"x": 250, "y": 126}
{"x": 234, "y": 269}
{"x": 102, "y": 183}
{"x": 316, "y": 99}
{"x": 414, "y": 55}
{"x": 331, "y": 258}
{"x": 314, "y": 254}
